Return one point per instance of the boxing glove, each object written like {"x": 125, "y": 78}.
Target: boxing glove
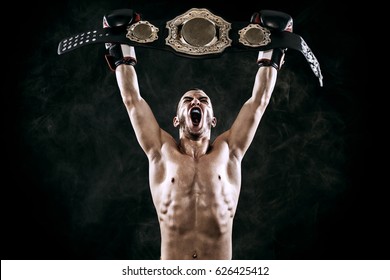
{"x": 119, "y": 20}
{"x": 275, "y": 21}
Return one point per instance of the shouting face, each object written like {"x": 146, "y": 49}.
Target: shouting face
{"x": 195, "y": 115}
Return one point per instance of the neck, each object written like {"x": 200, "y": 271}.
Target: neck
{"x": 194, "y": 148}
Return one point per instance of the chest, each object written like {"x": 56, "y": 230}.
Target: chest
{"x": 182, "y": 171}
{"x": 207, "y": 168}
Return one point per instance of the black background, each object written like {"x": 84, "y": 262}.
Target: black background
{"x": 76, "y": 182}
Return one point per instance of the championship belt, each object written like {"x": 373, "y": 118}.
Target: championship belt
{"x": 197, "y": 33}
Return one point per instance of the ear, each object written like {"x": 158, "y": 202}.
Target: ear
{"x": 176, "y": 121}
{"x": 214, "y": 122}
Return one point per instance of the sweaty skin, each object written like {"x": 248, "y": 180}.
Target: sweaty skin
{"x": 195, "y": 184}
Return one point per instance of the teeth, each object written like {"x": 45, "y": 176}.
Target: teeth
{"x": 196, "y": 111}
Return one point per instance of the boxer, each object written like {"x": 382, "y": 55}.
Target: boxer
{"x": 195, "y": 182}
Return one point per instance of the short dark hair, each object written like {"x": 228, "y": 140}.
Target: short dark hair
{"x": 177, "y": 103}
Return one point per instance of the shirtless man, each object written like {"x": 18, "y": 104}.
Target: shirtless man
{"x": 195, "y": 183}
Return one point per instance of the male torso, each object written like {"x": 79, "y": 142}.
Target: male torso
{"x": 195, "y": 200}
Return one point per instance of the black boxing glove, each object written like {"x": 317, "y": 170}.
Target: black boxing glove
{"x": 119, "y": 54}
{"x": 275, "y": 21}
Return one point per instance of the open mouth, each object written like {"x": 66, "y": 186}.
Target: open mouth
{"x": 196, "y": 116}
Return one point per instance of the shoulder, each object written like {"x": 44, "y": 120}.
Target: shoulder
{"x": 168, "y": 142}
{"x": 167, "y": 145}
{"x": 223, "y": 142}
{"x": 221, "y": 139}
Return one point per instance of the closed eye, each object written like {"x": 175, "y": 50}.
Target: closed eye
{"x": 187, "y": 99}
{"x": 204, "y": 100}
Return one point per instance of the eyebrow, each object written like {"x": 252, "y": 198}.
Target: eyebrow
{"x": 190, "y": 97}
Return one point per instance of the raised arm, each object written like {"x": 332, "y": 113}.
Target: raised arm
{"x": 144, "y": 123}
{"x": 122, "y": 59}
{"x": 243, "y": 130}
{"x": 241, "y": 134}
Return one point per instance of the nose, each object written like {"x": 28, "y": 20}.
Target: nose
{"x": 195, "y": 101}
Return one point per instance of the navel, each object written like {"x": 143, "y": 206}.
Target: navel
{"x": 219, "y": 177}
{"x": 173, "y": 180}
{"x": 194, "y": 255}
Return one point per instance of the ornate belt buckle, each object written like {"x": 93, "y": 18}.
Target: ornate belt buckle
{"x": 198, "y": 32}
{"x": 254, "y": 35}
{"x": 142, "y": 32}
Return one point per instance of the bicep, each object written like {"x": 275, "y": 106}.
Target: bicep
{"x": 244, "y": 127}
{"x": 146, "y": 128}
{"x": 243, "y": 130}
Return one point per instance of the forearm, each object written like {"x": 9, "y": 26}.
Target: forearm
{"x": 128, "y": 84}
{"x": 264, "y": 85}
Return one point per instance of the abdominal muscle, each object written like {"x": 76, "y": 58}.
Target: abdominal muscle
{"x": 195, "y": 200}
{"x": 195, "y": 225}
{"x": 196, "y": 219}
